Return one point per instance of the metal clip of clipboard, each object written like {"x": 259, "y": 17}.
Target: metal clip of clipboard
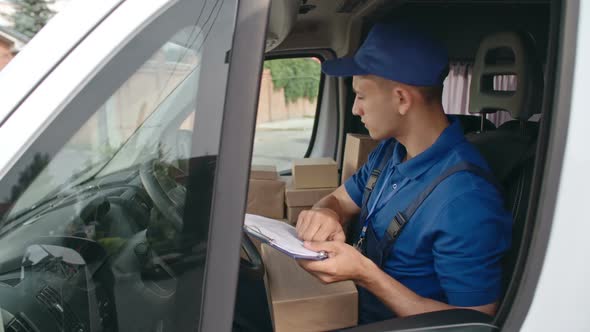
{"x": 259, "y": 233}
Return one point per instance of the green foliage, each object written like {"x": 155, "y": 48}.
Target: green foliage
{"x": 107, "y": 151}
{"x": 31, "y": 15}
{"x": 299, "y": 77}
{"x": 112, "y": 245}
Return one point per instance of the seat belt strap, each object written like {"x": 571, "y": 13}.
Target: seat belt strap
{"x": 374, "y": 177}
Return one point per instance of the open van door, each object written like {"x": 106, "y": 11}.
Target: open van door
{"x": 124, "y": 170}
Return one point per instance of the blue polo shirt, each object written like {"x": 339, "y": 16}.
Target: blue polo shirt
{"x": 451, "y": 249}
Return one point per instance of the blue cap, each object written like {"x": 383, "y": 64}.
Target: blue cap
{"x": 397, "y": 52}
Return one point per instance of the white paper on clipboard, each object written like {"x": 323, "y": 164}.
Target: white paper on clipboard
{"x": 279, "y": 235}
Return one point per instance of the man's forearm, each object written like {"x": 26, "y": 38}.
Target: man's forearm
{"x": 397, "y": 297}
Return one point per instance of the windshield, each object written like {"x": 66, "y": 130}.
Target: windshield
{"x": 142, "y": 119}
{"x": 95, "y": 231}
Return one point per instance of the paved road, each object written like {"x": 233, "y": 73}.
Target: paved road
{"x": 278, "y": 143}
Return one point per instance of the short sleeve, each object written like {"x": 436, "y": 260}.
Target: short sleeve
{"x": 355, "y": 185}
{"x": 473, "y": 234}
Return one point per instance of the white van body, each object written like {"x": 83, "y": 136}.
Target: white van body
{"x": 81, "y": 40}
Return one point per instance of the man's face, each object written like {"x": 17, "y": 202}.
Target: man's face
{"x": 376, "y": 105}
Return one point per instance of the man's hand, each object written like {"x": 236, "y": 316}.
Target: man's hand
{"x": 344, "y": 262}
{"x": 320, "y": 224}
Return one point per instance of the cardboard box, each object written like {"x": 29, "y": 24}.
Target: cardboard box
{"x": 263, "y": 172}
{"x": 300, "y": 302}
{"x": 356, "y": 151}
{"x": 293, "y": 213}
{"x": 315, "y": 173}
{"x": 266, "y": 198}
{"x": 304, "y": 197}
{"x": 298, "y": 200}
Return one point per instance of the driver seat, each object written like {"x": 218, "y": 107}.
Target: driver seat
{"x": 510, "y": 149}
{"x": 510, "y": 152}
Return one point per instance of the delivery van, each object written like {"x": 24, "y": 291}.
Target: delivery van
{"x": 136, "y": 134}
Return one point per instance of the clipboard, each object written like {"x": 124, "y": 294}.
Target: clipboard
{"x": 280, "y": 236}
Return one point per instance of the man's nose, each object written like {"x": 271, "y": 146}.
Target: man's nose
{"x": 355, "y": 108}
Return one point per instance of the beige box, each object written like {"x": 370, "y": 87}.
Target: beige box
{"x": 356, "y": 151}
{"x": 300, "y": 302}
{"x": 304, "y": 197}
{"x": 293, "y": 213}
{"x": 263, "y": 172}
{"x": 315, "y": 173}
{"x": 266, "y": 198}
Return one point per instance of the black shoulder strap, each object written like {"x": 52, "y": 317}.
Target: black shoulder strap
{"x": 401, "y": 218}
{"x": 374, "y": 177}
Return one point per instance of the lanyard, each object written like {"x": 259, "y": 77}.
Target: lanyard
{"x": 374, "y": 209}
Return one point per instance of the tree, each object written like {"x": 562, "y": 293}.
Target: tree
{"x": 31, "y": 15}
{"x": 299, "y": 77}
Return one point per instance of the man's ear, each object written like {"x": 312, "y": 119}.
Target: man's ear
{"x": 403, "y": 98}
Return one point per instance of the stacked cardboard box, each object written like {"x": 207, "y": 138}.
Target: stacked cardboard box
{"x": 300, "y": 302}
{"x": 266, "y": 193}
{"x": 357, "y": 150}
{"x": 297, "y": 300}
{"x": 298, "y": 200}
{"x": 313, "y": 179}
{"x": 263, "y": 172}
{"x": 310, "y": 173}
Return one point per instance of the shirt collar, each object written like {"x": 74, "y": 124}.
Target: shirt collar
{"x": 413, "y": 168}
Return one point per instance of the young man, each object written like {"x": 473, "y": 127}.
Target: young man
{"x": 434, "y": 228}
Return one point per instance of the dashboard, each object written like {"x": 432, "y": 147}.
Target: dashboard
{"x": 89, "y": 258}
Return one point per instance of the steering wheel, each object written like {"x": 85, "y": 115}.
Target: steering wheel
{"x": 253, "y": 267}
{"x": 163, "y": 202}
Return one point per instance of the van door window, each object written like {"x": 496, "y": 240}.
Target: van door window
{"x": 287, "y": 107}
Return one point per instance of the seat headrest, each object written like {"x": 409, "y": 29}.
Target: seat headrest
{"x": 513, "y": 54}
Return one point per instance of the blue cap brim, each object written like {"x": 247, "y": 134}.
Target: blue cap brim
{"x": 342, "y": 67}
